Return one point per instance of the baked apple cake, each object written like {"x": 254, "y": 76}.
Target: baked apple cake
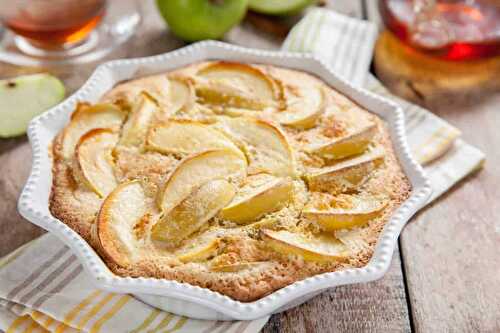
{"x": 240, "y": 178}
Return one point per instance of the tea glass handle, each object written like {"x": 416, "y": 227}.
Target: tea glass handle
{"x": 428, "y": 28}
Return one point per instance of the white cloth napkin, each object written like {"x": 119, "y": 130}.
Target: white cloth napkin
{"x": 43, "y": 287}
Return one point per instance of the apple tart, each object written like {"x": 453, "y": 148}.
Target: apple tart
{"x": 234, "y": 177}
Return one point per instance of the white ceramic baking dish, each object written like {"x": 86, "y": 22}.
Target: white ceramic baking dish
{"x": 182, "y": 298}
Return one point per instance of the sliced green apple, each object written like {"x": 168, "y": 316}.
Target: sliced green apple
{"x": 196, "y": 170}
{"x": 24, "y": 97}
{"x": 94, "y": 162}
{"x": 262, "y": 194}
{"x": 187, "y": 137}
{"x": 192, "y": 213}
{"x": 316, "y": 248}
{"x": 352, "y": 144}
{"x": 358, "y": 212}
{"x": 135, "y": 129}
{"x": 237, "y": 85}
{"x": 119, "y": 213}
{"x": 86, "y": 118}
{"x": 304, "y": 108}
{"x": 345, "y": 175}
{"x": 265, "y": 145}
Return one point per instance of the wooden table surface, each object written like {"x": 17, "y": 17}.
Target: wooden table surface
{"x": 445, "y": 277}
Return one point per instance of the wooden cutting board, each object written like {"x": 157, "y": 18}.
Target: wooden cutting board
{"x": 430, "y": 81}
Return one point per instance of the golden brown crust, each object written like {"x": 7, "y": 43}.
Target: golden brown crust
{"x": 267, "y": 271}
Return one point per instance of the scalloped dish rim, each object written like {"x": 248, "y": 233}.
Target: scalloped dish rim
{"x": 33, "y": 202}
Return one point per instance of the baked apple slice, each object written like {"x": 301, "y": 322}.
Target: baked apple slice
{"x": 303, "y": 108}
{"x": 353, "y": 211}
{"x": 135, "y": 129}
{"x": 196, "y": 170}
{"x": 317, "y": 248}
{"x": 199, "y": 252}
{"x": 157, "y": 86}
{"x": 182, "y": 94}
{"x": 187, "y": 137}
{"x": 237, "y": 85}
{"x": 264, "y": 144}
{"x": 345, "y": 175}
{"x": 192, "y": 213}
{"x": 120, "y": 212}
{"x": 93, "y": 163}
{"x": 84, "y": 119}
{"x": 262, "y": 194}
{"x": 352, "y": 144}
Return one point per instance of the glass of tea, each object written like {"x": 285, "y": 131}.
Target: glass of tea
{"x": 57, "y": 31}
{"x": 450, "y": 29}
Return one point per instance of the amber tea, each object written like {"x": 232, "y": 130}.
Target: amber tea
{"x": 52, "y": 23}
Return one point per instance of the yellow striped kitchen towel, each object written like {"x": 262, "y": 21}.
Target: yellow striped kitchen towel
{"x": 43, "y": 288}
{"x": 347, "y": 45}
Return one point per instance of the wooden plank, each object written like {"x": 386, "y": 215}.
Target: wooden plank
{"x": 451, "y": 250}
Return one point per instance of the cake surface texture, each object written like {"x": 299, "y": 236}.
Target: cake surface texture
{"x": 239, "y": 178}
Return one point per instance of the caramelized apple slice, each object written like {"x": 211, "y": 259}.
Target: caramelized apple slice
{"x": 265, "y": 146}
{"x": 352, "y": 212}
{"x": 86, "y": 118}
{"x": 93, "y": 160}
{"x": 134, "y": 130}
{"x": 199, "y": 252}
{"x": 120, "y": 212}
{"x": 345, "y": 175}
{"x": 237, "y": 85}
{"x": 304, "y": 108}
{"x": 182, "y": 94}
{"x": 262, "y": 194}
{"x": 236, "y": 267}
{"x": 192, "y": 213}
{"x": 353, "y": 144}
{"x": 187, "y": 137}
{"x": 157, "y": 86}
{"x": 197, "y": 170}
{"x": 320, "y": 248}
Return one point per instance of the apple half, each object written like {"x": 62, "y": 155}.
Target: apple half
{"x": 345, "y": 175}
{"x": 237, "y": 85}
{"x": 304, "y": 108}
{"x": 262, "y": 194}
{"x": 86, "y": 118}
{"x": 266, "y": 147}
{"x": 315, "y": 248}
{"x": 352, "y": 144}
{"x": 358, "y": 212}
{"x": 187, "y": 137}
{"x": 193, "y": 212}
{"x": 93, "y": 163}
{"x": 120, "y": 212}
{"x": 135, "y": 128}
{"x": 196, "y": 170}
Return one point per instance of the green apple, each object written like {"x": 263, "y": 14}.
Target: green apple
{"x": 25, "y": 97}
{"x": 194, "y": 20}
{"x": 279, "y": 7}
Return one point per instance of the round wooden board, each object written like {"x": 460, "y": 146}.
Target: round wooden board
{"x": 430, "y": 81}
